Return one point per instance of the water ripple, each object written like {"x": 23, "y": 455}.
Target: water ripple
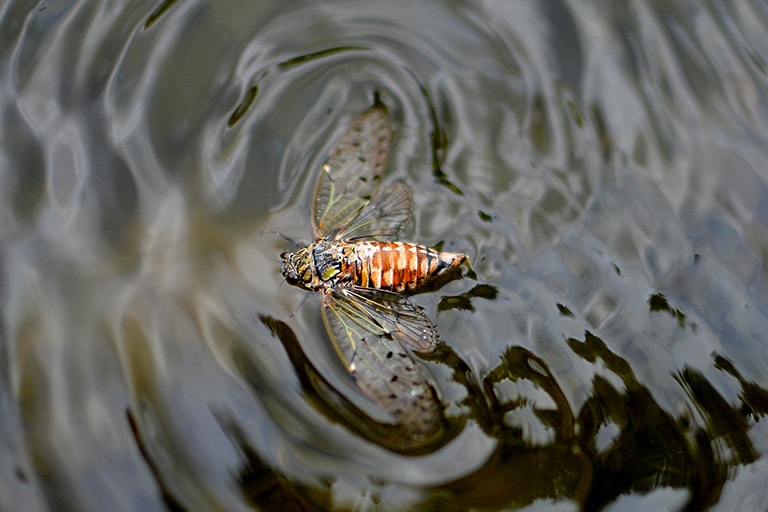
{"x": 604, "y": 165}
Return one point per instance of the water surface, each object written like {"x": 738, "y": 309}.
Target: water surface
{"x": 604, "y": 165}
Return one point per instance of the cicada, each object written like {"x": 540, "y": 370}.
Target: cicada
{"x": 365, "y": 276}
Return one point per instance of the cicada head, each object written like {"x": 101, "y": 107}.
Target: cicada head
{"x": 297, "y": 268}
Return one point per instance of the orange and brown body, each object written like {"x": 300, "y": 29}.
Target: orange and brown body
{"x": 395, "y": 266}
{"x": 400, "y": 267}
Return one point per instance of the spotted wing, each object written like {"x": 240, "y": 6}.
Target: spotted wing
{"x": 370, "y": 330}
{"x": 346, "y": 202}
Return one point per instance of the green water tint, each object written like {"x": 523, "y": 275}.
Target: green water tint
{"x": 619, "y": 436}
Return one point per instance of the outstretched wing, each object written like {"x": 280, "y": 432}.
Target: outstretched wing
{"x": 346, "y": 204}
{"x": 384, "y": 217}
{"x": 370, "y": 330}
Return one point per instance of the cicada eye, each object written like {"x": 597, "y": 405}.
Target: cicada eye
{"x": 284, "y": 255}
{"x": 290, "y": 275}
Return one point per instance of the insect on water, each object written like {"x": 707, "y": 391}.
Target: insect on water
{"x": 364, "y": 276}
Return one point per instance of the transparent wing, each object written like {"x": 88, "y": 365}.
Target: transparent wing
{"x": 384, "y": 217}
{"x": 346, "y": 203}
{"x": 385, "y": 314}
{"x": 370, "y": 330}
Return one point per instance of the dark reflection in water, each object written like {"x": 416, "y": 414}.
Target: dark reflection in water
{"x": 464, "y": 300}
{"x": 339, "y": 409}
{"x": 604, "y": 164}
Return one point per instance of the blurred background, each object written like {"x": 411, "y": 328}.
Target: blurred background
{"x": 604, "y": 165}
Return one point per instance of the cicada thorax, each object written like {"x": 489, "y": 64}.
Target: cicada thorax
{"x": 401, "y": 267}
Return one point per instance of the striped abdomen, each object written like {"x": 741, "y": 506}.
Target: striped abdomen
{"x": 399, "y": 266}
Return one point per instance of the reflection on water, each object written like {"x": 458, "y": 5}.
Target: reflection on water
{"x": 604, "y": 165}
